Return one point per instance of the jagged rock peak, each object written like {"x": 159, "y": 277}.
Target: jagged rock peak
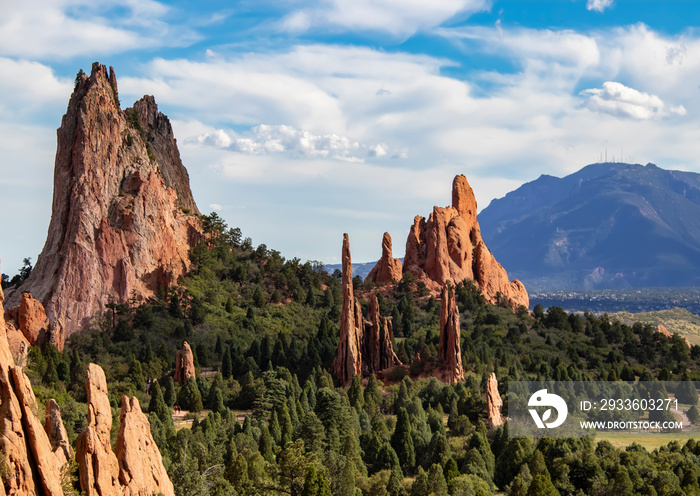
{"x": 493, "y": 402}
{"x": 184, "y": 364}
{"x": 448, "y": 248}
{"x": 388, "y": 269}
{"x": 449, "y": 347}
{"x": 122, "y": 217}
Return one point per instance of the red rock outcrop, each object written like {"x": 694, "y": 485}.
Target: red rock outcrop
{"x": 378, "y": 353}
{"x": 449, "y": 347}
{"x": 141, "y": 467}
{"x": 493, "y": 402}
{"x": 661, "y": 329}
{"x": 28, "y": 461}
{"x": 135, "y": 468}
{"x": 364, "y": 346}
{"x": 388, "y": 269}
{"x": 348, "y": 360}
{"x": 447, "y": 248}
{"x": 184, "y": 364}
{"x": 122, "y": 219}
{"x": 55, "y": 430}
{"x": 32, "y": 320}
{"x": 97, "y": 464}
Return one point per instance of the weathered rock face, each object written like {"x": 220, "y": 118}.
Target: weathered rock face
{"x": 364, "y": 346}
{"x": 32, "y": 320}
{"x": 141, "y": 467}
{"x": 55, "y": 430}
{"x": 25, "y": 450}
{"x": 449, "y": 347}
{"x": 388, "y": 269}
{"x": 97, "y": 464}
{"x": 122, "y": 218}
{"x": 184, "y": 364}
{"x": 493, "y": 402}
{"x": 447, "y": 248}
{"x": 136, "y": 469}
{"x": 348, "y": 361}
{"x": 378, "y": 353}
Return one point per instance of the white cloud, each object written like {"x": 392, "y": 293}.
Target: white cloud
{"x": 400, "y": 18}
{"x": 216, "y": 207}
{"x": 619, "y": 100}
{"x": 598, "y": 5}
{"x": 48, "y": 29}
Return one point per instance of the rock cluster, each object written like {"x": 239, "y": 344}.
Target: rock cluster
{"x": 30, "y": 463}
{"x": 184, "y": 364}
{"x": 449, "y": 348}
{"x": 135, "y": 467}
{"x": 122, "y": 220}
{"x": 447, "y": 248}
{"x": 388, "y": 269}
{"x": 364, "y": 346}
{"x": 493, "y": 402}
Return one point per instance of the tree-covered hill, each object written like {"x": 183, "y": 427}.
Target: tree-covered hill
{"x": 265, "y": 330}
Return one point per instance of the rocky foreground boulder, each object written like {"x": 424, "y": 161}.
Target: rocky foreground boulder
{"x": 135, "y": 468}
{"x": 123, "y": 217}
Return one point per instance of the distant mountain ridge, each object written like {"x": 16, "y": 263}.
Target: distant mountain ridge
{"x": 609, "y": 225}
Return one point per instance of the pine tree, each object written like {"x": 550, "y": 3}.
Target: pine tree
{"x": 315, "y": 484}
{"x": 226, "y": 365}
{"x": 402, "y": 441}
{"x": 190, "y": 398}
{"x": 168, "y": 390}
{"x": 355, "y": 395}
{"x": 157, "y": 405}
{"x": 265, "y": 444}
{"x": 420, "y": 484}
{"x": 436, "y": 481}
{"x": 541, "y": 485}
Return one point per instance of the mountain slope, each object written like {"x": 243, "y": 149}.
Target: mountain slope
{"x": 607, "y": 225}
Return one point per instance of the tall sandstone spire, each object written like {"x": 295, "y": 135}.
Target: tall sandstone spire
{"x": 447, "y": 248}
{"x": 364, "y": 346}
{"x": 122, "y": 219}
{"x": 449, "y": 347}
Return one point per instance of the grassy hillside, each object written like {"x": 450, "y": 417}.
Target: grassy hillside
{"x": 675, "y": 320}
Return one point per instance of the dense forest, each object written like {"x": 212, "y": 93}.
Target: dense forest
{"x": 268, "y": 417}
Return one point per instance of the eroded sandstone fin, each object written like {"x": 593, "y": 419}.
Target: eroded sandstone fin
{"x": 449, "y": 347}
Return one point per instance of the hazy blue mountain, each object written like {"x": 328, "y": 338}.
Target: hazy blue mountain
{"x": 609, "y": 225}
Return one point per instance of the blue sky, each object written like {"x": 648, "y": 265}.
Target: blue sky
{"x": 301, "y": 120}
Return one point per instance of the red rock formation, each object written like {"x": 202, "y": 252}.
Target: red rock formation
{"x": 449, "y": 348}
{"x": 184, "y": 364}
{"x": 662, "y": 330}
{"x": 447, "y": 248}
{"x": 136, "y": 469}
{"x": 32, "y": 320}
{"x": 58, "y": 437}
{"x": 45, "y": 462}
{"x": 388, "y": 269}
{"x": 348, "y": 360}
{"x": 378, "y": 353}
{"x": 97, "y": 464}
{"x": 121, "y": 221}
{"x": 493, "y": 402}
{"x": 30, "y": 466}
{"x": 141, "y": 467}
{"x": 364, "y": 346}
